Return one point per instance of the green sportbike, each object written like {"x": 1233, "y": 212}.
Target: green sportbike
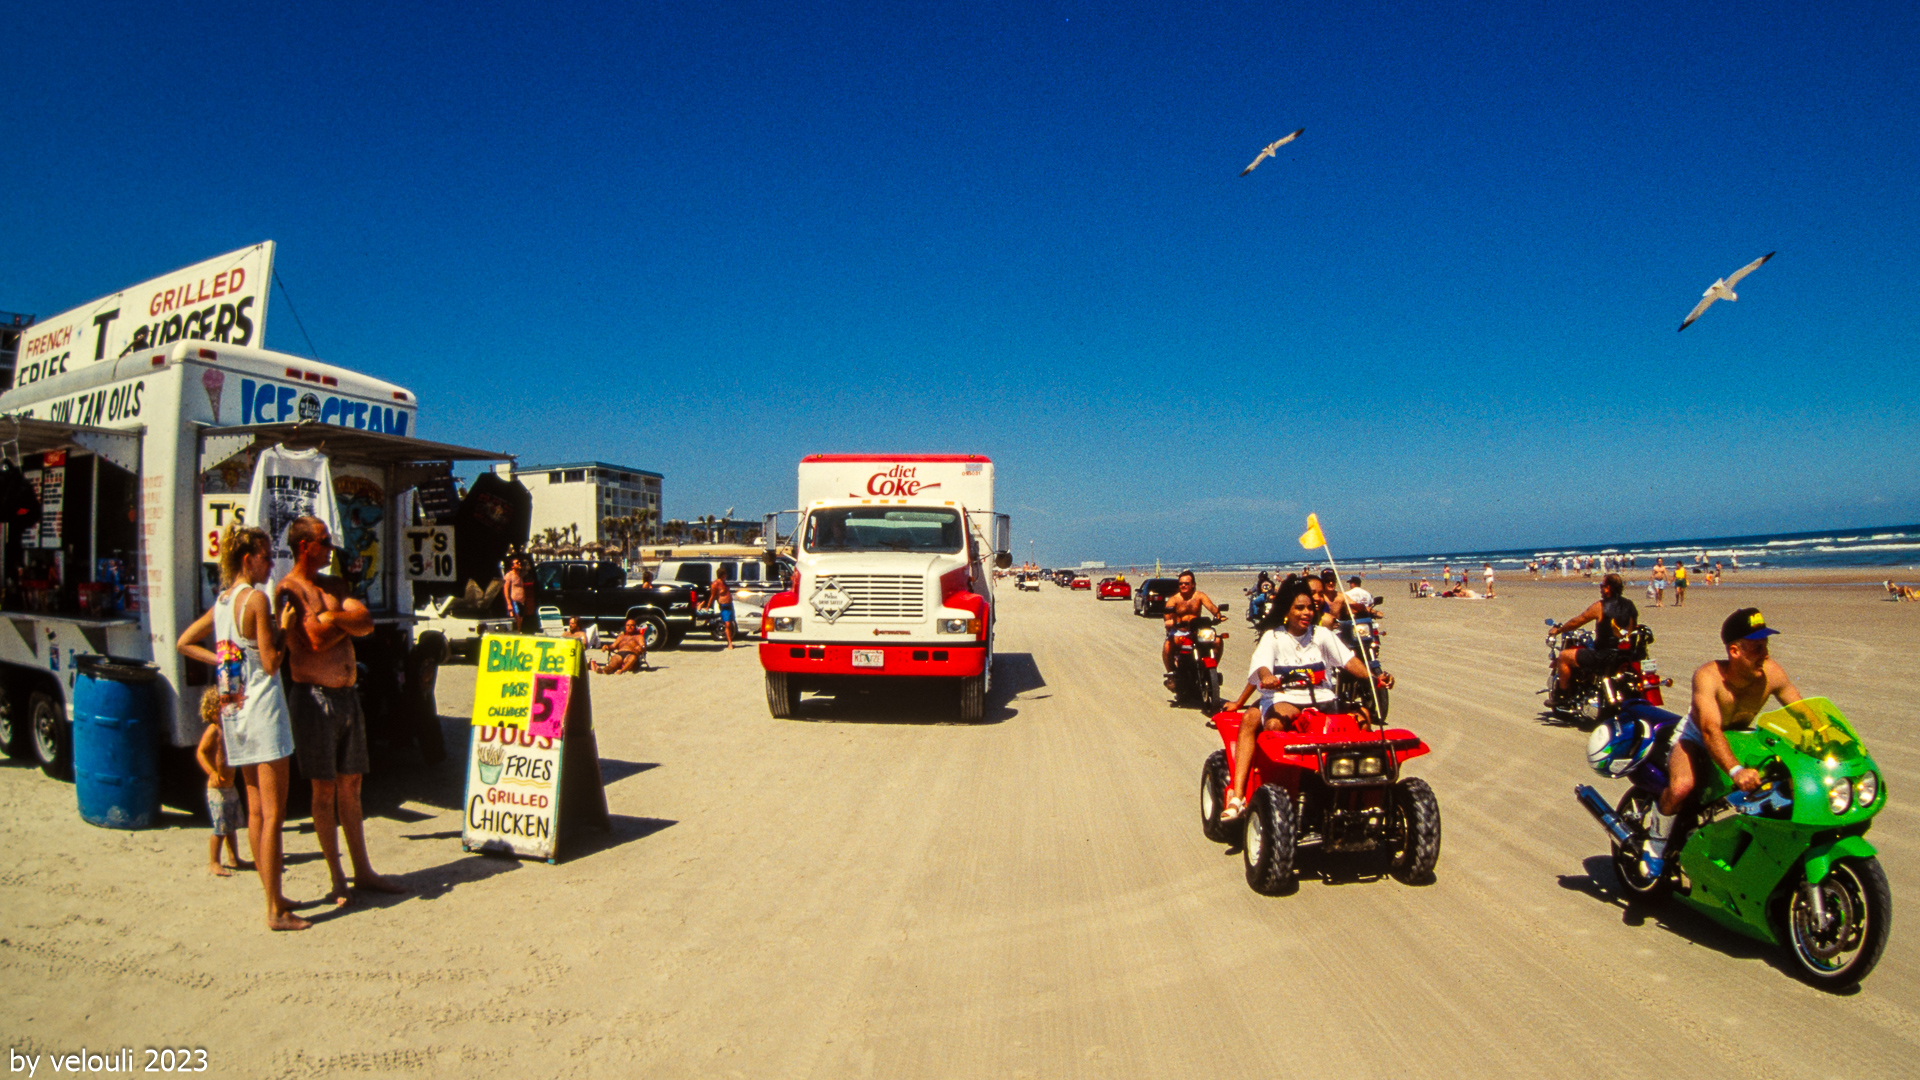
{"x": 1789, "y": 863}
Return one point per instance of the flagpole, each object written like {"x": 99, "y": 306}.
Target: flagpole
{"x": 1372, "y": 689}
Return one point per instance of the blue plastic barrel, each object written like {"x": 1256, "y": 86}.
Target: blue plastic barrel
{"x": 116, "y": 731}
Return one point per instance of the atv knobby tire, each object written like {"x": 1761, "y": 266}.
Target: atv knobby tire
{"x": 1269, "y": 848}
{"x": 1214, "y": 777}
{"x": 1419, "y": 843}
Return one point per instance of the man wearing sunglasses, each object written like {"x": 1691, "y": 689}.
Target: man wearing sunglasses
{"x": 1727, "y": 695}
{"x": 329, "y": 729}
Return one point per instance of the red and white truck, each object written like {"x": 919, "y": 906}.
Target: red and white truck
{"x": 893, "y": 577}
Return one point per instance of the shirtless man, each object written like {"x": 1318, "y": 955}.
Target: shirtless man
{"x": 1182, "y": 608}
{"x": 721, "y": 599}
{"x": 329, "y": 731}
{"x": 1727, "y": 695}
{"x": 626, "y": 653}
{"x": 517, "y": 587}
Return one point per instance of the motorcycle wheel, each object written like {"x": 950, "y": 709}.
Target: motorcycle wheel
{"x": 1269, "y": 848}
{"x": 1842, "y": 950}
{"x": 1210, "y": 691}
{"x": 1418, "y": 849}
{"x": 1633, "y": 808}
{"x": 1214, "y": 777}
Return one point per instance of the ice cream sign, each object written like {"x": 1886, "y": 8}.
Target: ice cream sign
{"x": 265, "y": 401}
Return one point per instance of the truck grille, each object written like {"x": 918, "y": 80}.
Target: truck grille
{"x": 884, "y": 597}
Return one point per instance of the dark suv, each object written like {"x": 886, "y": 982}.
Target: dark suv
{"x": 599, "y": 591}
{"x": 1151, "y": 597}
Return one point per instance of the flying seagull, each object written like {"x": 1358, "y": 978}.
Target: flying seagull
{"x": 1723, "y": 289}
{"x": 1268, "y": 152}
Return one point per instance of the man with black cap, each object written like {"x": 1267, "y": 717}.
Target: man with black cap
{"x": 1727, "y": 695}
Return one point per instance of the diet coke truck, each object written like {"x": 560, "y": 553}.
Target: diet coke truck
{"x": 893, "y": 578}
{"x": 128, "y": 443}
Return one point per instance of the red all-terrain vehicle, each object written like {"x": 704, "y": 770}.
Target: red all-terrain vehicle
{"x": 1329, "y": 783}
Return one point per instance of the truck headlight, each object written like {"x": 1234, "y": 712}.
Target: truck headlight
{"x": 959, "y": 626}
{"x": 1341, "y": 768}
{"x": 786, "y": 624}
{"x": 1866, "y": 788}
{"x": 1839, "y": 795}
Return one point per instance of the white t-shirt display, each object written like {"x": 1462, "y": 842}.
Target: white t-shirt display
{"x": 288, "y": 484}
{"x": 1316, "y": 655}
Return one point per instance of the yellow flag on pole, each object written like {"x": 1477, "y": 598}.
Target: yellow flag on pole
{"x": 1313, "y": 537}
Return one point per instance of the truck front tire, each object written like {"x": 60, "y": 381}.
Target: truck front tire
{"x": 783, "y": 694}
{"x": 973, "y": 698}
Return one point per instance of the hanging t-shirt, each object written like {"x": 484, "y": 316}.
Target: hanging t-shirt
{"x": 289, "y": 484}
{"x": 1305, "y": 665}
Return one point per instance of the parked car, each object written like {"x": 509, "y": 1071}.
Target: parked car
{"x": 1081, "y": 581}
{"x": 600, "y": 591}
{"x": 752, "y": 583}
{"x": 1115, "y": 589}
{"x": 1151, "y": 597}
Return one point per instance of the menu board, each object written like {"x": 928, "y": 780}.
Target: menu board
{"x": 522, "y": 699}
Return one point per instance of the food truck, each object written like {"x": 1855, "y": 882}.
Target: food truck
{"x": 892, "y": 578}
{"x": 135, "y": 422}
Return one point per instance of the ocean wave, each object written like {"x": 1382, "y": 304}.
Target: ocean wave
{"x": 1799, "y": 543}
{"x": 1871, "y": 547}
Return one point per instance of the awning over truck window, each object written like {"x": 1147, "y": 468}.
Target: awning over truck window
{"x": 118, "y": 445}
{"x": 372, "y": 447}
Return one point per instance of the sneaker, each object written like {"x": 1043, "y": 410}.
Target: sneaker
{"x": 1651, "y": 865}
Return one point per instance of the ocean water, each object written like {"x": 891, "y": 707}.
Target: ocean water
{"x": 1891, "y": 546}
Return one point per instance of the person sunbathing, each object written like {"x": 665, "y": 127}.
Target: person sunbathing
{"x": 627, "y": 653}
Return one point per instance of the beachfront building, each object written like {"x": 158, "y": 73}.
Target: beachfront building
{"x": 586, "y": 494}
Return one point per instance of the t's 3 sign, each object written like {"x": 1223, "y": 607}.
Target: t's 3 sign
{"x": 428, "y": 550}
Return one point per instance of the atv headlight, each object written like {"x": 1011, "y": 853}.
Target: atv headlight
{"x": 1370, "y": 766}
{"x": 1341, "y": 768}
{"x": 1206, "y": 634}
{"x": 1839, "y": 795}
{"x": 1866, "y": 788}
{"x": 786, "y": 624}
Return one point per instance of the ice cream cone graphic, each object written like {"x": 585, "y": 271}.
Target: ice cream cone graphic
{"x": 213, "y": 379}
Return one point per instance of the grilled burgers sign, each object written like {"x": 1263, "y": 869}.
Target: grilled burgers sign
{"x": 223, "y": 299}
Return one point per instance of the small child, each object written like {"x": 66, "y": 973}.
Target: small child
{"x": 223, "y": 799}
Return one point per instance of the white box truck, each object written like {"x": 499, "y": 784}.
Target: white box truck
{"x": 137, "y": 420}
{"x": 893, "y": 577}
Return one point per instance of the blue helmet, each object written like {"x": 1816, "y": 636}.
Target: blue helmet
{"x": 1618, "y": 747}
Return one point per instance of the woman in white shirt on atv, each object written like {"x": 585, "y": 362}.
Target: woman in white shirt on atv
{"x": 1292, "y": 665}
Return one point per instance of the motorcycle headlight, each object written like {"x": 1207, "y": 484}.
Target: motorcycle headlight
{"x": 1206, "y": 634}
{"x": 1839, "y": 795}
{"x": 1341, "y": 768}
{"x": 1866, "y": 788}
{"x": 786, "y": 624}
{"x": 1370, "y": 766}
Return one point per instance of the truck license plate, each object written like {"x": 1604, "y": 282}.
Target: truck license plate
{"x": 869, "y": 658}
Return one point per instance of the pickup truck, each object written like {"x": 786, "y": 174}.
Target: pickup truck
{"x": 599, "y": 591}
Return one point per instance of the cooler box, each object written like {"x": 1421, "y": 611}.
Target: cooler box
{"x": 116, "y": 732}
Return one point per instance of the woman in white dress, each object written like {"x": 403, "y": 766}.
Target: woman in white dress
{"x": 246, "y": 658}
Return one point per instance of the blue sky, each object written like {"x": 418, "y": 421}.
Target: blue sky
{"x": 708, "y": 239}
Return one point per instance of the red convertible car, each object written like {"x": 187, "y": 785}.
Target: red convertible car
{"x": 1081, "y": 581}
{"x": 1115, "y": 589}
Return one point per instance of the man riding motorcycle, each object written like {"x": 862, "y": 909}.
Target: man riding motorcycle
{"x": 1614, "y": 616}
{"x": 1291, "y": 665}
{"x": 1727, "y": 695}
{"x": 1183, "y": 607}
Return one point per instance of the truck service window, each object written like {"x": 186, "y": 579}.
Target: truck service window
{"x": 876, "y": 528}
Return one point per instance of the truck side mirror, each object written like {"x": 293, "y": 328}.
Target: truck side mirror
{"x": 1003, "y": 559}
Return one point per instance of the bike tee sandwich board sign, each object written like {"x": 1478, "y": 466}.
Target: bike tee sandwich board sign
{"x": 532, "y": 762}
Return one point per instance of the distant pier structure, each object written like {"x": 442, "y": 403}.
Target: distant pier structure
{"x": 13, "y": 326}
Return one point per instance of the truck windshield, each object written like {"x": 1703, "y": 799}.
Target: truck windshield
{"x": 875, "y": 528}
